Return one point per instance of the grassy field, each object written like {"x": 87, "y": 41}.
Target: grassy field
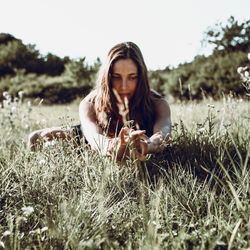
{"x": 194, "y": 195}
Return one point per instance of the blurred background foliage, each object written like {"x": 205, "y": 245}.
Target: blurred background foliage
{"x": 61, "y": 80}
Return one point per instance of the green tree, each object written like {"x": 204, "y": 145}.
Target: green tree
{"x": 15, "y": 55}
{"x": 233, "y": 36}
{"x": 78, "y": 70}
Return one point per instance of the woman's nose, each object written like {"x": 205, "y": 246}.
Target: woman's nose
{"x": 124, "y": 84}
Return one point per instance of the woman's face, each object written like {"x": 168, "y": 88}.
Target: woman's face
{"x": 125, "y": 77}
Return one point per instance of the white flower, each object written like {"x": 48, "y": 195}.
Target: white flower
{"x": 5, "y": 94}
{"x": 42, "y": 162}
{"x": 20, "y": 94}
{"x": 49, "y": 143}
{"x": 226, "y": 124}
{"x": 246, "y": 73}
{"x": 248, "y": 55}
{"x": 202, "y": 130}
{"x": 6, "y": 233}
{"x": 27, "y": 210}
{"x": 13, "y": 108}
{"x": 240, "y": 70}
{"x": 2, "y": 244}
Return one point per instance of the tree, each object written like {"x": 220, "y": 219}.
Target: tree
{"x": 16, "y": 55}
{"x": 5, "y": 38}
{"x": 233, "y": 36}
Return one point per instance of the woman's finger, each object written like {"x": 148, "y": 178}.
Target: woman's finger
{"x": 141, "y": 147}
{"x": 122, "y": 135}
{"x": 137, "y": 134}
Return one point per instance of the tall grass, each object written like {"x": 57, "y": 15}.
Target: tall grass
{"x": 196, "y": 193}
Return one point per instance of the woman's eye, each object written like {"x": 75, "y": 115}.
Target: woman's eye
{"x": 115, "y": 77}
{"x": 133, "y": 78}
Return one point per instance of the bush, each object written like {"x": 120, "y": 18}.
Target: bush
{"x": 215, "y": 76}
{"x": 61, "y": 89}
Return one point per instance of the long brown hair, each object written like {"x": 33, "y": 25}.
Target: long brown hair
{"x": 141, "y": 105}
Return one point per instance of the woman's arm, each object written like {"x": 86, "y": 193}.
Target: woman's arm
{"x": 162, "y": 127}
{"x": 161, "y": 132}
{"x": 92, "y": 132}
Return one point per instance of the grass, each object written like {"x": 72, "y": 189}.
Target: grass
{"x": 194, "y": 195}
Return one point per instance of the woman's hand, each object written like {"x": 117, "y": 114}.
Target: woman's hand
{"x": 126, "y": 138}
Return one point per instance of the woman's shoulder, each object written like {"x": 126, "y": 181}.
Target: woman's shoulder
{"x": 159, "y": 101}
{"x": 90, "y": 97}
{"x": 154, "y": 93}
{"x": 87, "y": 103}
{"x": 157, "y": 97}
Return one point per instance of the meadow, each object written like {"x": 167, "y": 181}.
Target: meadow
{"x": 193, "y": 195}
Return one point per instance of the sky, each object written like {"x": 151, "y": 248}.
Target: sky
{"x": 168, "y": 32}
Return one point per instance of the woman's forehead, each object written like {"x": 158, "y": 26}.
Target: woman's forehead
{"x": 125, "y": 65}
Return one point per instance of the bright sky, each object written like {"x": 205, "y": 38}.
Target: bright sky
{"x": 168, "y": 32}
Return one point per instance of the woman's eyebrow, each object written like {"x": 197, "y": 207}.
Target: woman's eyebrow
{"x": 128, "y": 74}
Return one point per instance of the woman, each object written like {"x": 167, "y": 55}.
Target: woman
{"x": 122, "y": 94}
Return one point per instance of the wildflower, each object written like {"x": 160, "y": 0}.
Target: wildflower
{"x": 20, "y": 94}
{"x": 240, "y": 70}
{"x": 13, "y": 108}
{"x": 6, "y": 233}
{"x": 2, "y": 244}
{"x": 246, "y": 74}
{"x": 27, "y": 210}
{"x": 202, "y": 130}
{"x": 226, "y": 124}
{"x": 42, "y": 162}
{"x": 5, "y": 94}
{"x": 248, "y": 55}
{"x": 49, "y": 143}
